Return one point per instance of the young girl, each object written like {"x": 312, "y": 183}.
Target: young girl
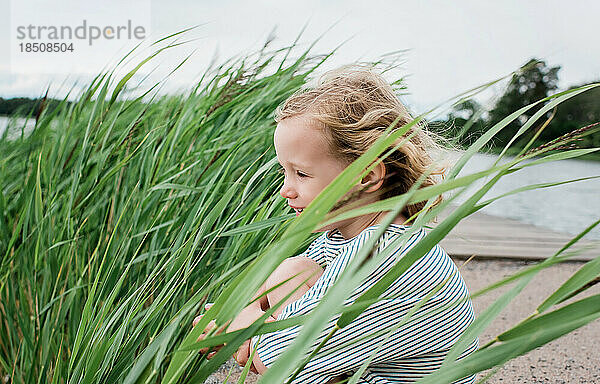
{"x": 320, "y": 131}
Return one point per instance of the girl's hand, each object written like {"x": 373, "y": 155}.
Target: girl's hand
{"x": 211, "y": 325}
{"x": 243, "y": 353}
{"x": 246, "y": 317}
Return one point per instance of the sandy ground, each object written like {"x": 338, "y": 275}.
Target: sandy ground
{"x": 574, "y": 358}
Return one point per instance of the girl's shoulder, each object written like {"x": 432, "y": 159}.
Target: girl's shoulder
{"x": 325, "y": 248}
{"x": 335, "y": 239}
{"x": 334, "y": 242}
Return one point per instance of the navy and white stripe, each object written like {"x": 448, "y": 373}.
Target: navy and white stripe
{"x": 413, "y": 350}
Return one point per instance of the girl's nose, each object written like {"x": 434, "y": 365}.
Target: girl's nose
{"x": 287, "y": 192}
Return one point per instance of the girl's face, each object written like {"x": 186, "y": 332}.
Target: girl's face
{"x": 303, "y": 154}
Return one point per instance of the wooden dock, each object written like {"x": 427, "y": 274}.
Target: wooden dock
{"x": 492, "y": 237}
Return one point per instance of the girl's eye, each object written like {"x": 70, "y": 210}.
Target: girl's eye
{"x": 299, "y": 173}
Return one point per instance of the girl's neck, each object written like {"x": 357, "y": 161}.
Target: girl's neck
{"x": 361, "y": 223}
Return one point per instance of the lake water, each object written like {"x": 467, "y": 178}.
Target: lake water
{"x": 18, "y": 122}
{"x": 568, "y": 208}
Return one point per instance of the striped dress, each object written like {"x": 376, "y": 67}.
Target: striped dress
{"x": 411, "y": 351}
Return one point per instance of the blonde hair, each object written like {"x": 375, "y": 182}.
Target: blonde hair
{"x": 354, "y": 106}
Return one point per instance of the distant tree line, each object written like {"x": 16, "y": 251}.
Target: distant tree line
{"x": 469, "y": 120}
{"x": 24, "y": 106}
{"x": 537, "y": 80}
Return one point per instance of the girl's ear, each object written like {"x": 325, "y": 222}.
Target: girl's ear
{"x": 374, "y": 179}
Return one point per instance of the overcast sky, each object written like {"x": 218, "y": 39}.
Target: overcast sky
{"x": 452, "y": 46}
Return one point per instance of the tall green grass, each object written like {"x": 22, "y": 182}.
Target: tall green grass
{"x": 120, "y": 217}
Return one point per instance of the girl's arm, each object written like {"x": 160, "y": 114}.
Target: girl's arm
{"x": 246, "y": 317}
{"x": 271, "y": 345}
